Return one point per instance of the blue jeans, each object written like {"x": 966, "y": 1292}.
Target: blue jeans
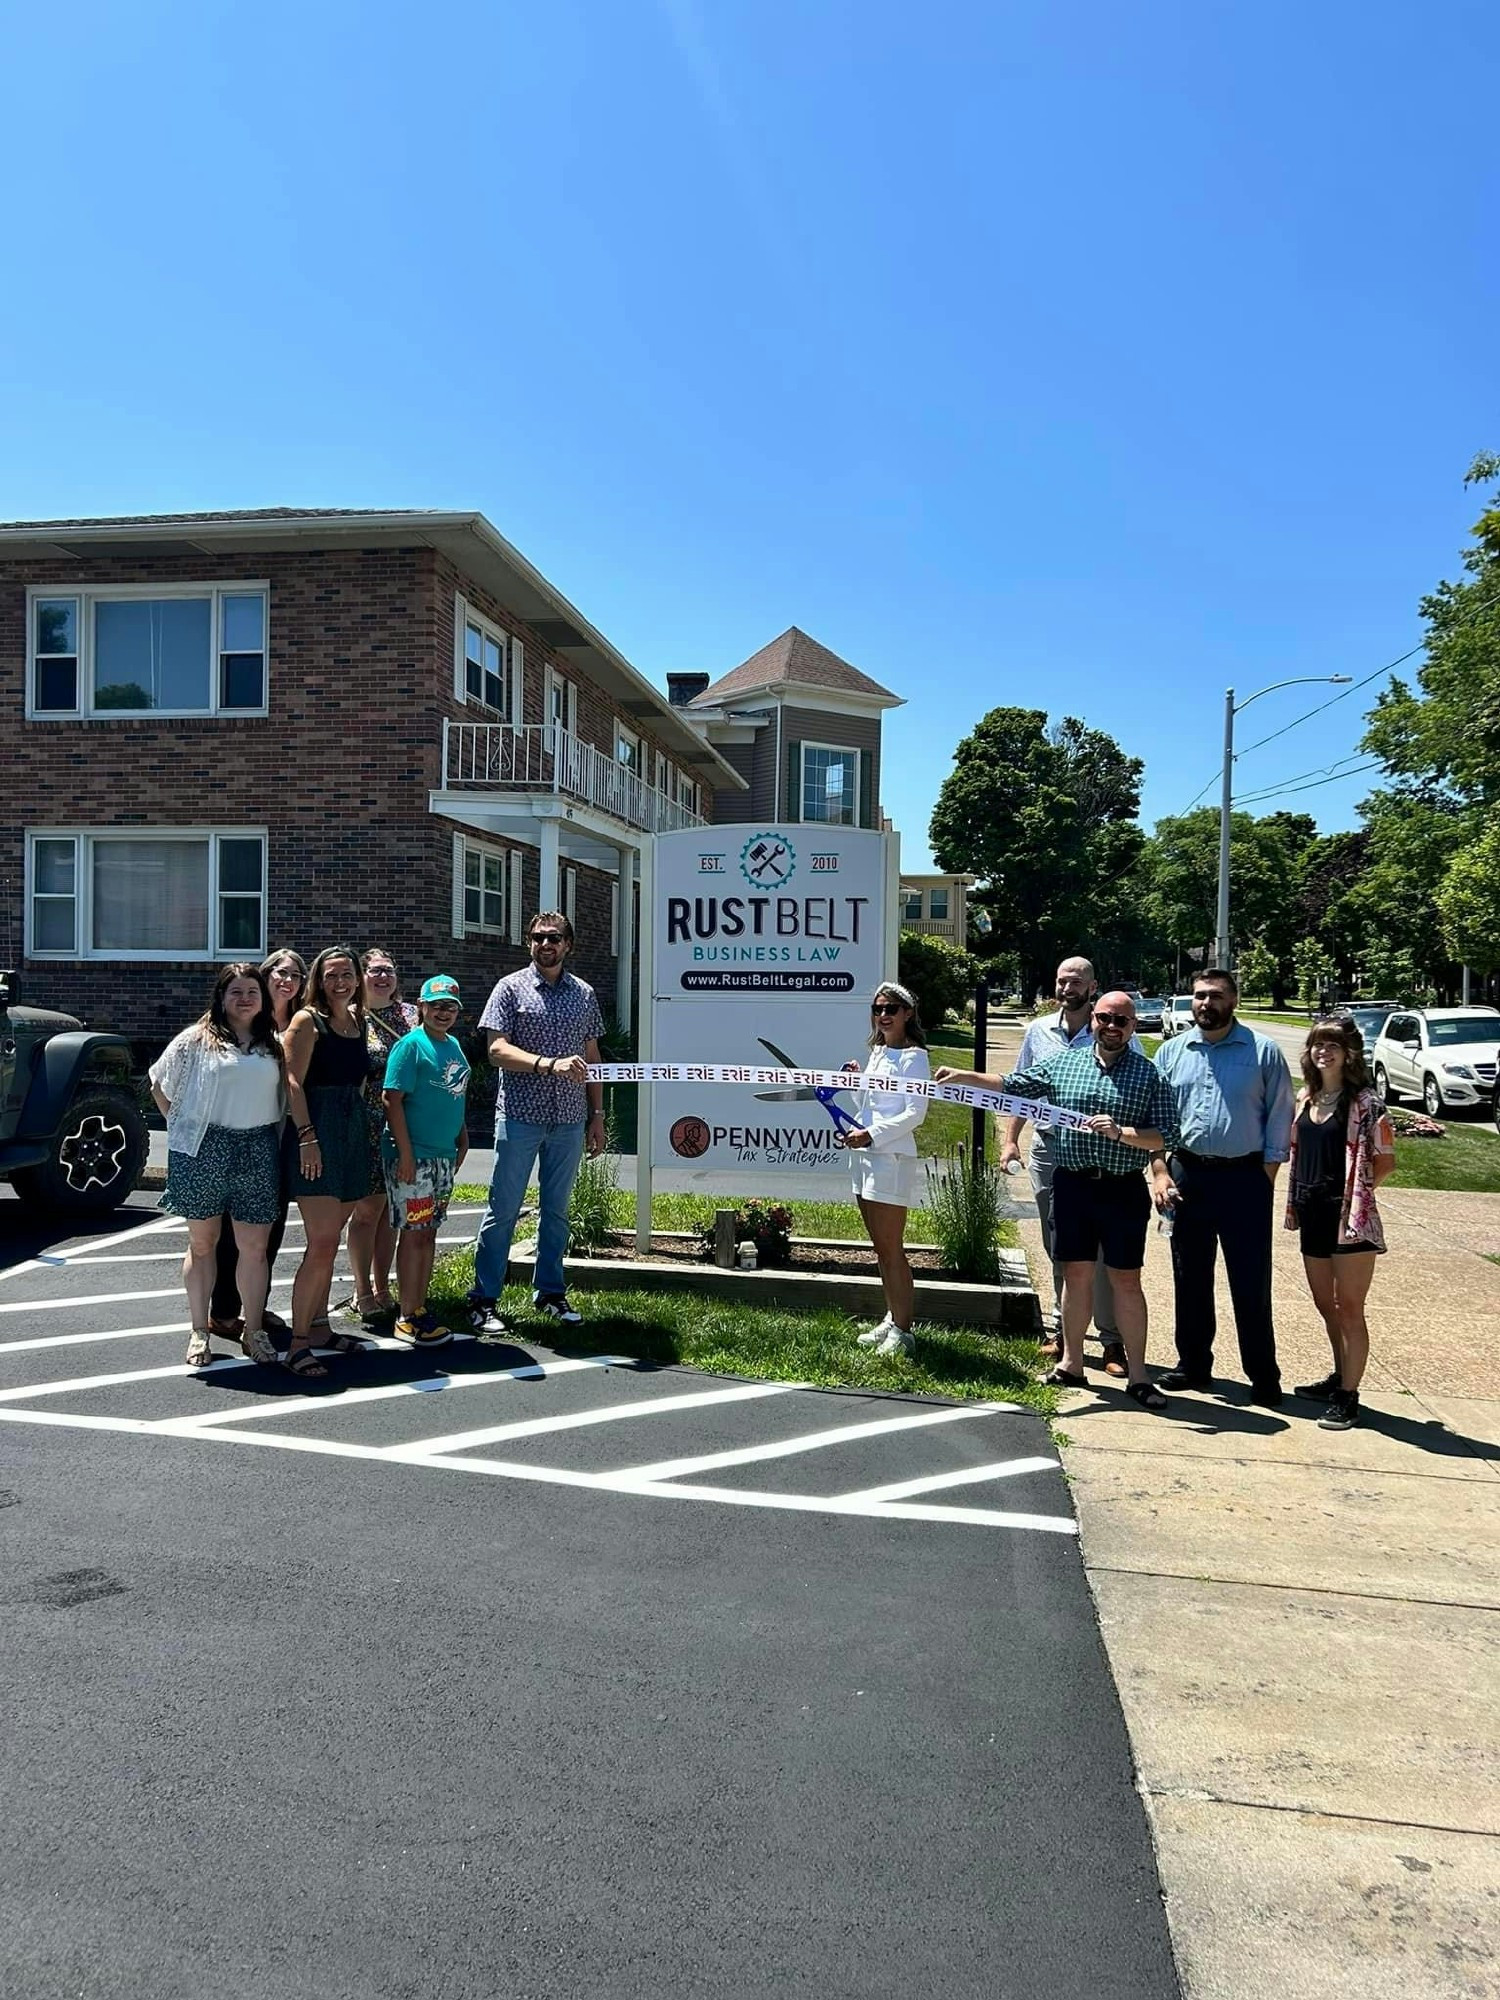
{"x": 559, "y": 1148}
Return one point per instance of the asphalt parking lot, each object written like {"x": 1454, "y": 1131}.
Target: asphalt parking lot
{"x": 519, "y": 1670}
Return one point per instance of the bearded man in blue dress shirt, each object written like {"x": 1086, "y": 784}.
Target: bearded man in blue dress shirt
{"x": 1234, "y": 1103}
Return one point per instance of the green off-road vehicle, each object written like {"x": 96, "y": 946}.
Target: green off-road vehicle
{"x": 72, "y": 1138}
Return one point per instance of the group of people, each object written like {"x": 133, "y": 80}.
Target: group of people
{"x": 320, "y": 1084}
{"x": 1199, "y": 1136}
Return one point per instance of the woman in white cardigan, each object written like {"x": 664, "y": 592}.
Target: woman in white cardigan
{"x": 883, "y": 1155}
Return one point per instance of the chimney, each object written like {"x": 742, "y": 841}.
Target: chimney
{"x": 682, "y": 688}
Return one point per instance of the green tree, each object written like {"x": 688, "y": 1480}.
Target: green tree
{"x": 1257, "y": 967}
{"x": 1468, "y": 900}
{"x": 1180, "y": 877}
{"x": 1440, "y": 744}
{"x": 1314, "y": 970}
{"x": 941, "y": 974}
{"x": 1045, "y": 819}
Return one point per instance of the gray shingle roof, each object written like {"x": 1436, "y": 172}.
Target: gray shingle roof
{"x": 796, "y": 658}
{"x": 218, "y": 514}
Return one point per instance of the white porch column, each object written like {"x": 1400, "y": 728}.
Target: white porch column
{"x": 625, "y": 962}
{"x": 550, "y": 888}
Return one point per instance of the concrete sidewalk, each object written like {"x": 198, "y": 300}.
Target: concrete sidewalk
{"x": 1305, "y": 1630}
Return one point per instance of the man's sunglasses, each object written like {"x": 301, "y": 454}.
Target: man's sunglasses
{"x": 888, "y": 1007}
{"x": 1114, "y": 1020}
{"x": 546, "y": 937}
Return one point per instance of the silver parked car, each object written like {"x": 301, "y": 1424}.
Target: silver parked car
{"x": 1447, "y": 1056}
{"x": 1148, "y": 1013}
{"x": 1177, "y": 1015}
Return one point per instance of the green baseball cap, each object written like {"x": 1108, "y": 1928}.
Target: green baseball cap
{"x": 440, "y": 987}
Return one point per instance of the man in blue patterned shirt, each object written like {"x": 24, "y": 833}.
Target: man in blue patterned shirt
{"x": 544, "y": 1032}
{"x": 1100, "y": 1201}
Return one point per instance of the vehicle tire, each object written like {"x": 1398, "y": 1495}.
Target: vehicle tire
{"x": 97, "y": 1155}
{"x": 1383, "y": 1085}
{"x": 1432, "y": 1096}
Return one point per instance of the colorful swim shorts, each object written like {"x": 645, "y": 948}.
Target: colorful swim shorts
{"x": 422, "y": 1203}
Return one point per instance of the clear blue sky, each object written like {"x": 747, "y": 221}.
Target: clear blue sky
{"x": 1086, "y": 356}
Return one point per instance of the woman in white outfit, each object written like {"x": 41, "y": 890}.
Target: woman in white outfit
{"x": 883, "y": 1155}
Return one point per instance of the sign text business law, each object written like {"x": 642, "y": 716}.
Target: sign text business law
{"x": 766, "y": 944}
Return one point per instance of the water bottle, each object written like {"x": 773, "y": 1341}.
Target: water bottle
{"x": 1015, "y": 1166}
{"x": 1164, "y": 1224}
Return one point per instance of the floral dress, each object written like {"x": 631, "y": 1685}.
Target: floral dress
{"x": 384, "y": 1027}
{"x": 1369, "y": 1133}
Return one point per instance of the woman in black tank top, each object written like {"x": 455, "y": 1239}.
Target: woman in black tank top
{"x": 332, "y": 1166}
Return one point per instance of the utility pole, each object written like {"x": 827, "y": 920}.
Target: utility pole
{"x": 1226, "y": 794}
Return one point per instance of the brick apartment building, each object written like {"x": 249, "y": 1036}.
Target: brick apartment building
{"x": 235, "y": 731}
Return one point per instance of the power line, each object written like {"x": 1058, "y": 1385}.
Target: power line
{"x": 1330, "y": 771}
{"x": 1343, "y": 695}
{"x": 1281, "y": 791}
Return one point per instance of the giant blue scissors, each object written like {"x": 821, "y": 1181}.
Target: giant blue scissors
{"x": 825, "y": 1094}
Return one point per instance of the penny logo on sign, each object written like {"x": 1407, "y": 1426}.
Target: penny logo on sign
{"x": 691, "y": 1138}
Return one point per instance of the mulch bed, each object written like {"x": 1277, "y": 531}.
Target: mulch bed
{"x": 855, "y": 1260}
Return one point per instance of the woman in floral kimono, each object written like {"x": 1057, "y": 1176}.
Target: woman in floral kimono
{"x": 1342, "y": 1149}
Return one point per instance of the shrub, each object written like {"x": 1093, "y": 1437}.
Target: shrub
{"x": 768, "y": 1226}
{"x": 942, "y": 975}
{"x": 963, "y": 1207}
{"x": 592, "y": 1202}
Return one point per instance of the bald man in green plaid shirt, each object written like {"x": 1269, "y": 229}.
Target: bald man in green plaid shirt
{"x": 1100, "y": 1199}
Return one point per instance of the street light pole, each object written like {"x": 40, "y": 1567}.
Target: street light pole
{"x": 1221, "y": 928}
{"x": 1222, "y": 949}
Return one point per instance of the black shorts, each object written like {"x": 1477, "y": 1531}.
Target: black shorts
{"x": 1318, "y": 1230}
{"x": 1108, "y": 1213}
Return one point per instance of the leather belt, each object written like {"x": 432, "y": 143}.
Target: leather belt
{"x": 1218, "y": 1159}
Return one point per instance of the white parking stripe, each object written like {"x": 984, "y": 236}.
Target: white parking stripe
{"x": 582, "y": 1419}
{"x": 161, "y": 1256}
{"x": 966, "y": 1475}
{"x": 82, "y": 1339}
{"x": 752, "y": 1454}
{"x": 546, "y": 1475}
{"x": 380, "y": 1392}
{"x": 54, "y": 1258}
{"x": 104, "y": 1299}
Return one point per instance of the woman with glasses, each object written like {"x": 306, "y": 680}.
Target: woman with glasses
{"x": 285, "y": 975}
{"x": 372, "y": 1240}
{"x": 327, "y": 1075}
{"x": 1343, "y": 1147}
{"x": 883, "y": 1156}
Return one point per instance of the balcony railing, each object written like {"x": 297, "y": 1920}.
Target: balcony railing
{"x": 542, "y": 757}
{"x": 943, "y": 927}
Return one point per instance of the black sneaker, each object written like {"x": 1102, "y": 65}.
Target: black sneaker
{"x": 1183, "y": 1378}
{"x": 554, "y": 1305}
{"x": 482, "y": 1317}
{"x": 1342, "y": 1413}
{"x": 1318, "y": 1392}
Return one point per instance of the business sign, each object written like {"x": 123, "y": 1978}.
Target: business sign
{"x": 767, "y": 942}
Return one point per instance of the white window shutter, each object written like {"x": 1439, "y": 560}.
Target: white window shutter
{"x": 517, "y": 680}
{"x": 515, "y": 895}
{"x": 570, "y": 894}
{"x": 549, "y": 682}
{"x": 458, "y": 883}
{"x": 460, "y": 676}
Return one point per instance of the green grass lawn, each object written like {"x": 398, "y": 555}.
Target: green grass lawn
{"x": 1465, "y": 1161}
{"x": 769, "y": 1343}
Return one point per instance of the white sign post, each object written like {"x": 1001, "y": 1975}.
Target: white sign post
{"x": 766, "y": 943}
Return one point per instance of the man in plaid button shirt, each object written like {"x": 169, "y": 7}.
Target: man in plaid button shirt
{"x": 1100, "y": 1200}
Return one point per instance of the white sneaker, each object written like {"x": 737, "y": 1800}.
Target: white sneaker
{"x": 873, "y": 1335}
{"x": 897, "y": 1341}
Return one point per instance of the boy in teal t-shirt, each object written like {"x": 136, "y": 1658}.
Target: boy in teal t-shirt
{"x": 426, "y": 1088}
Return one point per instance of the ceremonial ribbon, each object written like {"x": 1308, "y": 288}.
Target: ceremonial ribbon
{"x": 1038, "y": 1109}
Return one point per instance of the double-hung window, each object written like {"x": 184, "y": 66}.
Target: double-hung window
{"x": 193, "y": 649}
{"x": 486, "y": 875}
{"x": 687, "y": 793}
{"x": 487, "y": 664}
{"x": 830, "y": 785}
{"x": 937, "y": 905}
{"x": 146, "y": 893}
{"x": 911, "y": 906}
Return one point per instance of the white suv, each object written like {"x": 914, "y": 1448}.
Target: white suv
{"x": 1176, "y": 1015}
{"x": 1447, "y": 1056}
